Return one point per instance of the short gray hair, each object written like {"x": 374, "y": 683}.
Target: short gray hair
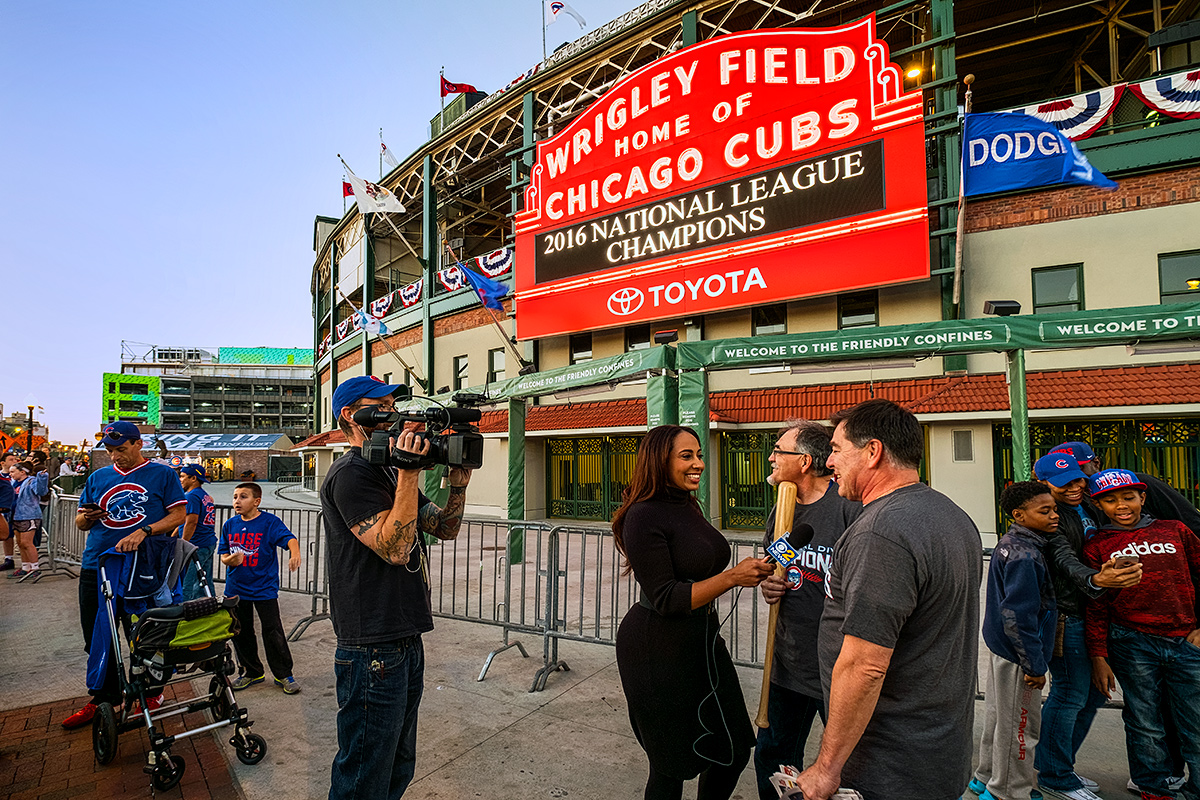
{"x": 812, "y": 439}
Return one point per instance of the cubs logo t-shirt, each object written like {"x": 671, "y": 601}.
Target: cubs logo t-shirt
{"x": 201, "y": 504}
{"x": 132, "y": 499}
{"x": 258, "y": 540}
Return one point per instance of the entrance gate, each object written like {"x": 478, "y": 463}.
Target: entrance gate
{"x": 586, "y": 477}
{"x": 1168, "y": 449}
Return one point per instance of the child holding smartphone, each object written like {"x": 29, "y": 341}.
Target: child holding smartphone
{"x": 1147, "y": 636}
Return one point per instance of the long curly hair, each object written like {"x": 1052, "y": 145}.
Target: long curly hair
{"x": 650, "y": 476}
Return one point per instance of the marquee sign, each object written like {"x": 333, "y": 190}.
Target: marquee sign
{"x": 752, "y": 168}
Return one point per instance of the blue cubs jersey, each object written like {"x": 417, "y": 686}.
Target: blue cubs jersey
{"x": 258, "y": 540}
{"x": 201, "y": 504}
{"x": 132, "y": 499}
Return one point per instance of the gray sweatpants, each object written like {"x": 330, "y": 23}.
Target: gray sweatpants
{"x": 1011, "y": 724}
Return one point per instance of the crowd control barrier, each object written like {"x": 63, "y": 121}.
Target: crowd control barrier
{"x": 590, "y": 596}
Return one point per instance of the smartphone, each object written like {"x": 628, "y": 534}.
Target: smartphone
{"x": 90, "y": 507}
{"x": 1125, "y": 561}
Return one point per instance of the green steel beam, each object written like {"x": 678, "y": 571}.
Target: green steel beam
{"x": 429, "y": 252}
{"x": 690, "y": 30}
{"x": 368, "y": 295}
{"x": 1019, "y": 409}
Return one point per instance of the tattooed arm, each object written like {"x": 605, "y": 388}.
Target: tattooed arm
{"x": 445, "y": 522}
{"x": 391, "y": 533}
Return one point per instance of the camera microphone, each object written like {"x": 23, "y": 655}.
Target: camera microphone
{"x": 458, "y": 416}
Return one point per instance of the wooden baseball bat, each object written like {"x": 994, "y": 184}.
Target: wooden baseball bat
{"x": 785, "y": 510}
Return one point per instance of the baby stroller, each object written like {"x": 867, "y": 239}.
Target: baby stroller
{"x": 169, "y": 642}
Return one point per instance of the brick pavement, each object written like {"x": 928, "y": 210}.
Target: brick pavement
{"x": 39, "y": 760}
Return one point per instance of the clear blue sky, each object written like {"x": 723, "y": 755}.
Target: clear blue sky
{"x": 163, "y": 163}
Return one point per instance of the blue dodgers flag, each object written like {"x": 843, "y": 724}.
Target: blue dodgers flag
{"x": 1015, "y": 151}
{"x": 490, "y": 292}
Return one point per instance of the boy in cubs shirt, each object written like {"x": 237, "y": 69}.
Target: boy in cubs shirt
{"x": 247, "y": 548}
{"x": 1147, "y": 636}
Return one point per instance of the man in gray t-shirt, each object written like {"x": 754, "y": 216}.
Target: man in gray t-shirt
{"x": 899, "y": 636}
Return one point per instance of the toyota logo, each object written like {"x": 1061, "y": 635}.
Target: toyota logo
{"x": 624, "y": 302}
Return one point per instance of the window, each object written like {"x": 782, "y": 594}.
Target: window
{"x": 460, "y": 372}
{"x": 858, "y": 310}
{"x": 112, "y": 404}
{"x": 581, "y": 347}
{"x": 963, "y": 445}
{"x": 768, "y": 320}
{"x": 1174, "y": 272}
{"x": 134, "y": 388}
{"x": 495, "y": 365}
{"x": 1058, "y": 289}
{"x": 637, "y": 338}
{"x": 112, "y": 387}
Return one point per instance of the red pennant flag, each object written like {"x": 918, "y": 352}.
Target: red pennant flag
{"x": 347, "y": 189}
{"x": 455, "y": 88}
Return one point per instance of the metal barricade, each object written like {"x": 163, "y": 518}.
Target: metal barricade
{"x": 589, "y": 597}
{"x": 493, "y": 573}
{"x": 64, "y": 541}
{"x": 311, "y": 579}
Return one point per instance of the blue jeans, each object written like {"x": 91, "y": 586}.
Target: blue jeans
{"x": 378, "y": 691}
{"x": 191, "y": 578}
{"x": 1152, "y": 669}
{"x": 1068, "y": 711}
{"x": 789, "y": 716}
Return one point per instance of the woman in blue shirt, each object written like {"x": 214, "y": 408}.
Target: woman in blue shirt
{"x": 27, "y": 513}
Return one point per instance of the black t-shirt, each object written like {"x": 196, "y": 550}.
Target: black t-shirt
{"x": 795, "y": 663}
{"x": 371, "y": 601}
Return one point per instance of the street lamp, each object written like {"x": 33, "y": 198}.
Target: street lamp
{"x": 29, "y": 433}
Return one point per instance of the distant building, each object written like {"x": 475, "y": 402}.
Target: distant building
{"x": 194, "y": 390}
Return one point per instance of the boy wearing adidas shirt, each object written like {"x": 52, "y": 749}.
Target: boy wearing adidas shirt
{"x": 247, "y": 548}
{"x": 1148, "y": 636}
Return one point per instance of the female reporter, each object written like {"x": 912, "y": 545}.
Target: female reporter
{"x": 685, "y": 702}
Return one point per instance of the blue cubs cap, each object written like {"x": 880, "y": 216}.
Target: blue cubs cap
{"x": 197, "y": 471}
{"x": 1058, "y": 468}
{"x": 1110, "y": 480}
{"x": 354, "y": 389}
{"x": 1080, "y": 450}
{"x": 115, "y": 434}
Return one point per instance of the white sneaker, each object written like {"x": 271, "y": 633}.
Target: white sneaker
{"x": 1088, "y": 783}
{"x": 1082, "y": 793}
{"x": 1175, "y": 783}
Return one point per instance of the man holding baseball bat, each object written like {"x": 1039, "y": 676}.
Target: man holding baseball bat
{"x": 793, "y": 684}
{"x": 899, "y": 637}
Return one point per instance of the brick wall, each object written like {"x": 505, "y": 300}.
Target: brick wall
{"x": 349, "y": 360}
{"x": 323, "y": 377}
{"x": 476, "y": 317}
{"x": 1154, "y": 190}
{"x": 254, "y": 460}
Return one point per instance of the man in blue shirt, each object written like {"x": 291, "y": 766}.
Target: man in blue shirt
{"x": 8, "y": 499}
{"x": 199, "y": 528}
{"x": 119, "y": 507}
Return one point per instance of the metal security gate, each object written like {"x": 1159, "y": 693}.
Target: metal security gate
{"x": 746, "y": 497}
{"x": 586, "y": 477}
{"x": 1165, "y": 448}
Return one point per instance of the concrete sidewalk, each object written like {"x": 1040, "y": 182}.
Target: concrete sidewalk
{"x": 490, "y": 740}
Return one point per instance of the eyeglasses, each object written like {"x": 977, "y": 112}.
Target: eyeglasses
{"x": 777, "y": 452}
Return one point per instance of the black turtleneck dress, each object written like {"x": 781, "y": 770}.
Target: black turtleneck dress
{"x": 685, "y": 702}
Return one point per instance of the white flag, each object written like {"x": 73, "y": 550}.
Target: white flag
{"x": 371, "y": 197}
{"x": 556, "y": 9}
{"x": 372, "y": 324}
{"x": 388, "y": 158}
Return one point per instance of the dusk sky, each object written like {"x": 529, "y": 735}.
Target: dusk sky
{"x": 163, "y": 163}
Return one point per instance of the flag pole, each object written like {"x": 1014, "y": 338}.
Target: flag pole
{"x": 386, "y": 343}
{"x": 495, "y": 321}
{"x": 543, "y": 31}
{"x": 381, "y": 154}
{"x": 442, "y": 92}
{"x": 960, "y": 221}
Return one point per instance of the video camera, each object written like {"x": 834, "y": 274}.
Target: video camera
{"x": 453, "y": 440}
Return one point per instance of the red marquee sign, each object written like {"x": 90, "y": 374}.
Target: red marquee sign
{"x": 752, "y": 168}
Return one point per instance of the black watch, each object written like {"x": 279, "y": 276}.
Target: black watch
{"x": 146, "y": 529}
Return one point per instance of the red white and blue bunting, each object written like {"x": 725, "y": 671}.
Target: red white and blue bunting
{"x": 343, "y": 327}
{"x": 496, "y": 263}
{"x": 1079, "y": 116}
{"x": 410, "y": 295}
{"x": 1174, "y": 95}
{"x": 323, "y": 347}
{"x": 380, "y": 307}
{"x": 452, "y": 278}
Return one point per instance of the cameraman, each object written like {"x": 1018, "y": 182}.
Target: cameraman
{"x": 379, "y": 596}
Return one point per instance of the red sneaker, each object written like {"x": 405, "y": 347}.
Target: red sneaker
{"x": 81, "y": 717}
{"x": 151, "y": 702}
